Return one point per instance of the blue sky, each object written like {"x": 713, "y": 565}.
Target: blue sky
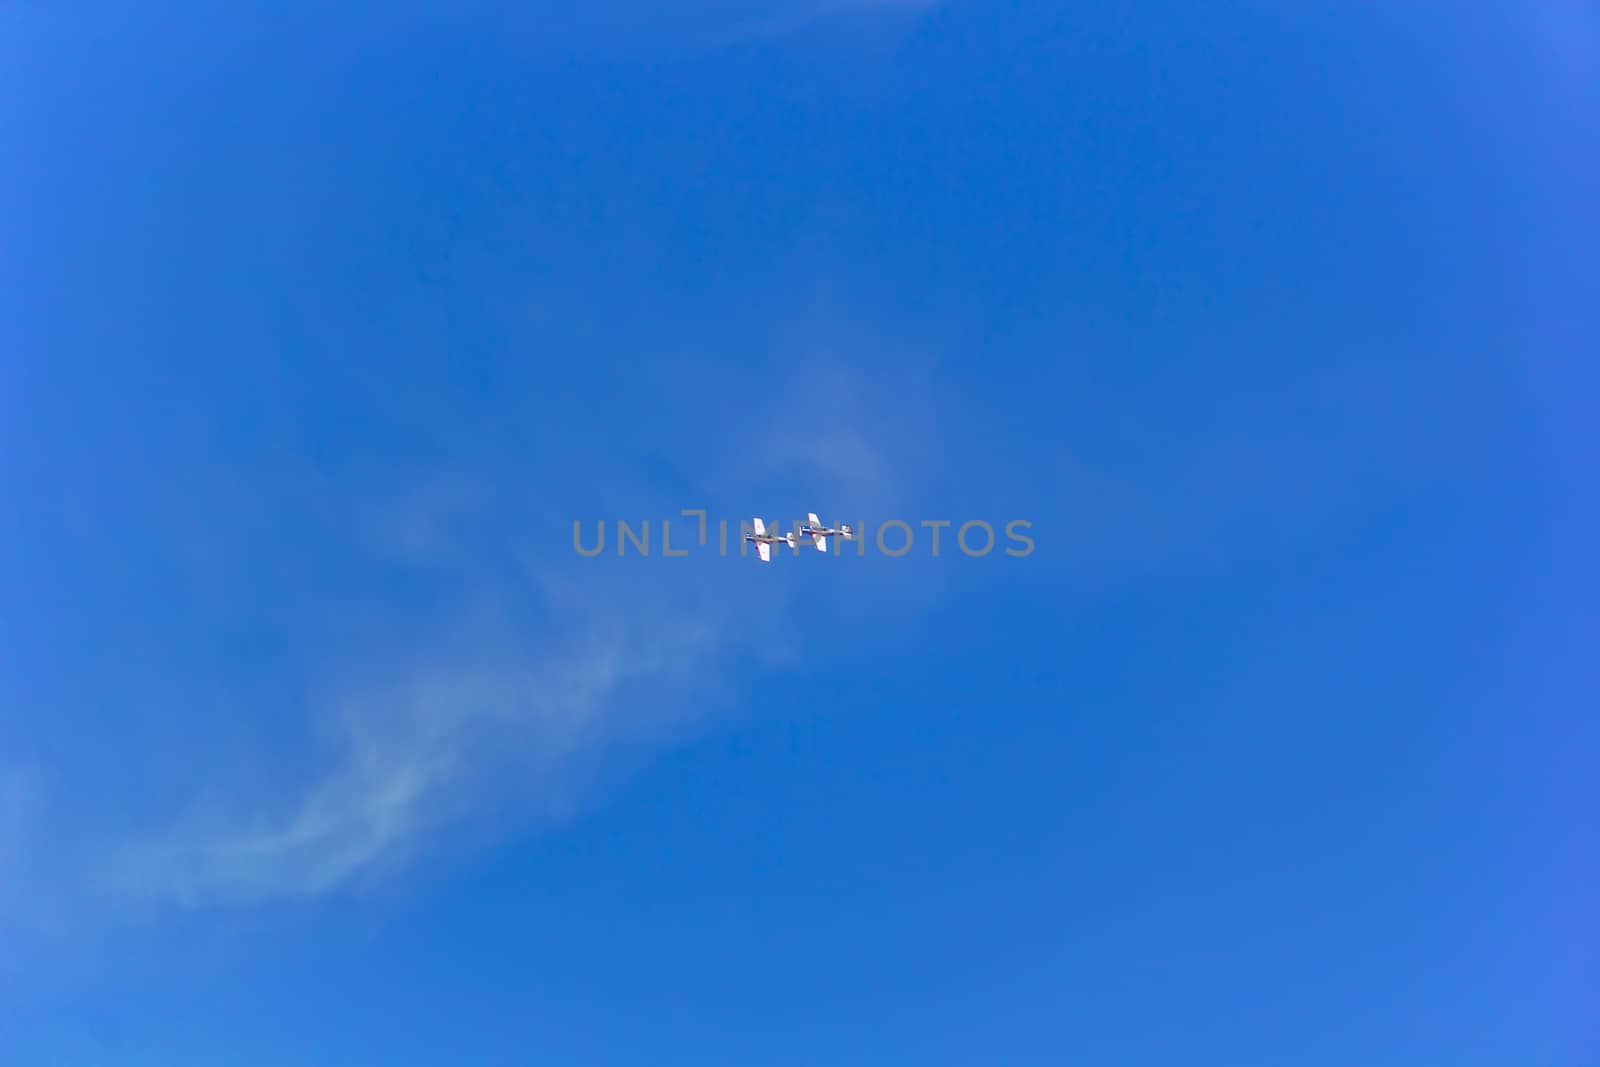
{"x": 320, "y": 327}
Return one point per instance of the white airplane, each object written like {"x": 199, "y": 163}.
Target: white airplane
{"x": 764, "y": 541}
{"x": 818, "y": 532}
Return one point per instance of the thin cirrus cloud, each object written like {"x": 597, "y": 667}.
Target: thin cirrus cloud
{"x": 435, "y": 746}
{"x": 498, "y": 723}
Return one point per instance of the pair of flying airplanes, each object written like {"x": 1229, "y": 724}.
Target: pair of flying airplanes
{"x": 812, "y": 528}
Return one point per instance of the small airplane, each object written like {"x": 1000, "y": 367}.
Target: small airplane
{"x": 764, "y": 541}
{"x": 818, "y": 532}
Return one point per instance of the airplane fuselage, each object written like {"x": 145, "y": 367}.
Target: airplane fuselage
{"x": 812, "y": 528}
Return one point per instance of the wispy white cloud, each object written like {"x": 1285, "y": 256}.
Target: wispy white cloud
{"x": 404, "y": 755}
{"x": 525, "y": 678}
{"x": 859, "y": 443}
{"x": 450, "y": 738}
{"x": 494, "y": 721}
{"x": 825, "y": 424}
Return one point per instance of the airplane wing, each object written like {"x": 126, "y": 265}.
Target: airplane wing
{"x": 760, "y": 526}
{"x": 821, "y": 542}
{"x": 816, "y": 523}
{"x": 765, "y": 550}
